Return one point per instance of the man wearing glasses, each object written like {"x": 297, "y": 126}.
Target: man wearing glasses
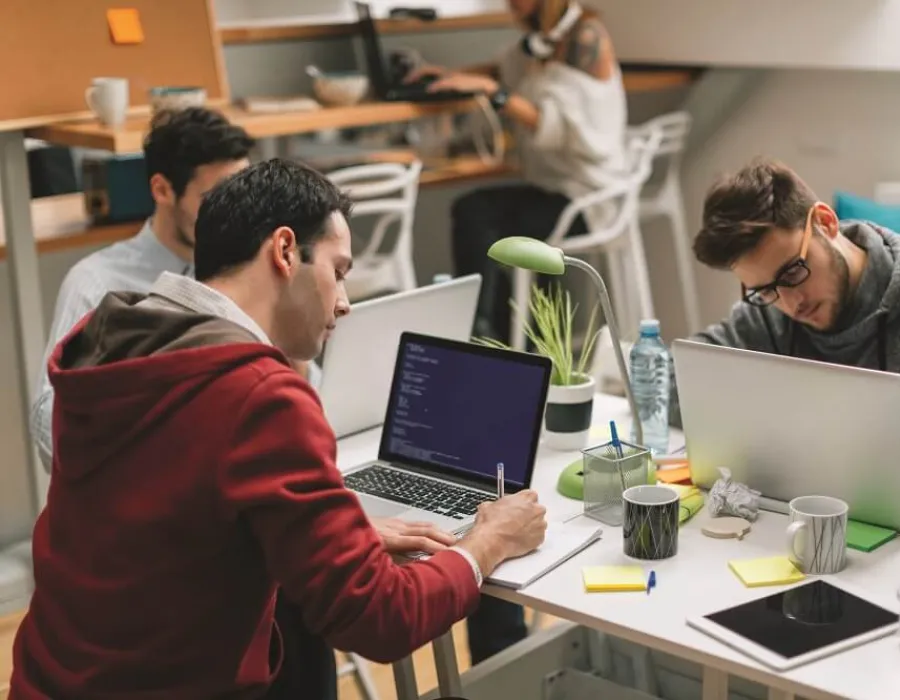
{"x": 812, "y": 286}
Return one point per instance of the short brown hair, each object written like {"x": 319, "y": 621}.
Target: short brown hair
{"x": 740, "y": 209}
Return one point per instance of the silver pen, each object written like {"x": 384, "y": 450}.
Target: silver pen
{"x": 500, "y": 486}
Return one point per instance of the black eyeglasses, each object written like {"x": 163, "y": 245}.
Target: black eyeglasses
{"x": 791, "y": 275}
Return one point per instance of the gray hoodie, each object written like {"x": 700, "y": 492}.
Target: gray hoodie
{"x": 873, "y": 310}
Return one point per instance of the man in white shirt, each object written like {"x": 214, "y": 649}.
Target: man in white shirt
{"x": 187, "y": 152}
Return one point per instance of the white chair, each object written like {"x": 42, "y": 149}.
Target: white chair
{"x": 611, "y": 215}
{"x": 666, "y": 200}
{"x": 386, "y": 192}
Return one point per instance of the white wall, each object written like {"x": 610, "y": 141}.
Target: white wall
{"x": 839, "y": 130}
{"x": 763, "y": 33}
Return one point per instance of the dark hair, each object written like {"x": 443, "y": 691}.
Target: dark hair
{"x": 182, "y": 140}
{"x": 742, "y": 208}
{"x": 241, "y": 212}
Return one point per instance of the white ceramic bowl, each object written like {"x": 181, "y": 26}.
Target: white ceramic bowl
{"x": 340, "y": 89}
{"x": 176, "y": 97}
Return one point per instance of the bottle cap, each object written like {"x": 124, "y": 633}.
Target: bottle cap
{"x": 650, "y": 326}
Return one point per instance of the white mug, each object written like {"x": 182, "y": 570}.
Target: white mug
{"x": 817, "y": 535}
{"x": 108, "y": 100}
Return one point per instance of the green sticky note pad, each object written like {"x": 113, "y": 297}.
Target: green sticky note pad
{"x": 865, "y": 537}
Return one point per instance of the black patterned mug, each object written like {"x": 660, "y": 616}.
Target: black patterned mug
{"x": 650, "y": 524}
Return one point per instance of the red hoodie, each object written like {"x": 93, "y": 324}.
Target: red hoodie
{"x": 193, "y": 473}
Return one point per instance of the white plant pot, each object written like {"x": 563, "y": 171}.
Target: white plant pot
{"x": 567, "y": 418}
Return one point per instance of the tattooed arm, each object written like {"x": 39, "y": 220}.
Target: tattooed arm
{"x": 589, "y": 49}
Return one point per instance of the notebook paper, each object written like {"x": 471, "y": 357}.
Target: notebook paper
{"x": 562, "y": 542}
{"x": 614, "y": 578}
{"x": 770, "y": 571}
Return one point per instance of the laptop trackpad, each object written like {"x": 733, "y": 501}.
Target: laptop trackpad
{"x": 380, "y": 508}
{"x": 375, "y": 507}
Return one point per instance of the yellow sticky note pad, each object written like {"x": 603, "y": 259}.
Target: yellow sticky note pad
{"x": 770, "y": 571}
{"x": 614, "y": 578}
{"x": 125, "y": 25}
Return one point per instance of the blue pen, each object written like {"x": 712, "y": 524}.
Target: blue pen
{"x": 651, "y": 582}
{"x": 614, "y": 434}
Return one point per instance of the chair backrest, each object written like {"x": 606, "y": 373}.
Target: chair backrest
{"x": 674, "y": 128}
{"x": 386, "y": 191}
{"x": 373, "y": 180}
{"x": 609, "y": 210}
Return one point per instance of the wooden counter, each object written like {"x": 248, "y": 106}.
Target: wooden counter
{"x": 89, "y": 134}
{"x": 128, "y": 138}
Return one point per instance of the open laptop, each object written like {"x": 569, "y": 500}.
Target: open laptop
{"x": 386, "y": 88}
{"x": 789, "y": 427}
{"x": 456, "y": 410}
{"x": 359, "y": 357}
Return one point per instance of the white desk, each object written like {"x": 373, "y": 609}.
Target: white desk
{"x": 696, "y": 581}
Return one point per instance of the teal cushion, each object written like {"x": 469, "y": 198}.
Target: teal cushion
{"x": 851, "y": 206}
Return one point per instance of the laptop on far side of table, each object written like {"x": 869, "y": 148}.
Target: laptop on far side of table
{"x": 791, "y": 427}
{"x": 359, "y": 357}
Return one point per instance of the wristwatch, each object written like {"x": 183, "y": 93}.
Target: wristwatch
{"x": 499, "y": 98}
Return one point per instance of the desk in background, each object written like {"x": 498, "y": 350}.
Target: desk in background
{"x": 695, "y": 582}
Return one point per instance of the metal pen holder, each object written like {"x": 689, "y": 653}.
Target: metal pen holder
{"x": 606, "y": 476}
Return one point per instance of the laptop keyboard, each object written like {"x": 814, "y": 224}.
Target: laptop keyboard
{"x": 417, "y": 491}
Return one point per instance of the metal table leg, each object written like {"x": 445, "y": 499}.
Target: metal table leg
{"x": 445, "y": 664}
{"x": 405, "y": 679}
{"x": 25, "y": 290}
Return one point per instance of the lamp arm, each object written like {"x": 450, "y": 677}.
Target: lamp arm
{"x": 614, "y": 333}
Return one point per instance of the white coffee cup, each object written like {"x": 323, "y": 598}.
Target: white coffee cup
{"x": 108, "y": 100}
{"x": 817, "y": 535}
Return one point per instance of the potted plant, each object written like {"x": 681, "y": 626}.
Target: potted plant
{"x": 570, "y": 400}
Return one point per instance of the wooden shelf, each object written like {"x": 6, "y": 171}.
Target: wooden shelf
{"x": 252, "y": 33}
{"x": 60, "y": 223}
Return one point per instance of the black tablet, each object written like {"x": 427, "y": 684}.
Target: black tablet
{"x": 801, "y": 624}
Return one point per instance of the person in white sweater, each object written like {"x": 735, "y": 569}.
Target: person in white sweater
{"x": 561, "y": 88}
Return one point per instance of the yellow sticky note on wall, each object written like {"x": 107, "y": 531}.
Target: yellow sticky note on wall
{"x": 125, "y": 25}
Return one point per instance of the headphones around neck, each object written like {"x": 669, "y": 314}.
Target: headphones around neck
{"x": 542, "y": 45}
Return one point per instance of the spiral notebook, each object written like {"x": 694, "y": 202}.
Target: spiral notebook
{"x": 562, "y": 542}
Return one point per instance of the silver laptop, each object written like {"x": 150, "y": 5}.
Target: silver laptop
{"x": 456, "y": 410}
{"x": 360, "y": 354}
{"x": 789, "y": 427}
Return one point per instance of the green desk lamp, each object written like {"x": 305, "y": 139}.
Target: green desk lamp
{"x": 537, "y": 256}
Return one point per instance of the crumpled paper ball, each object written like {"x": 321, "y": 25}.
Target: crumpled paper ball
{"x": 728, "y": 497}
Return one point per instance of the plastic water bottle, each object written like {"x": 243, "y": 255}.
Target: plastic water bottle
{"x": 650, "y": 382}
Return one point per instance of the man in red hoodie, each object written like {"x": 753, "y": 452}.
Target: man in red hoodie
{"x": 194, "y": 481}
